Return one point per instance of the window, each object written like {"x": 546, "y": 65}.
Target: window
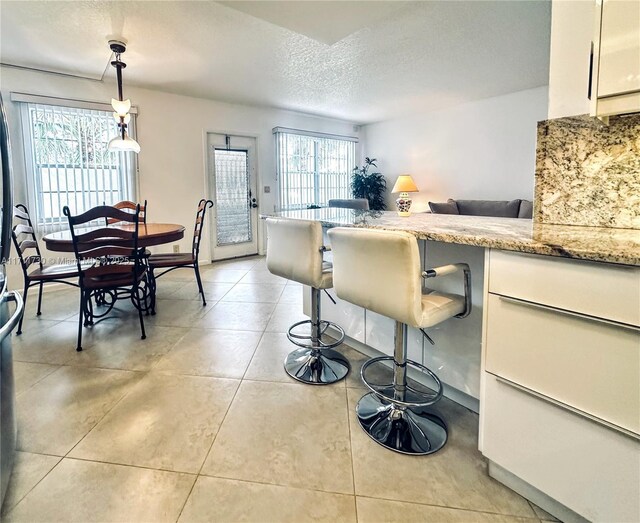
{"x": 313, "y": 168}
{"x": 69, "y": 164}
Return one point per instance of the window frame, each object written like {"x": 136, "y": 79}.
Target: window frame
{"x": 279, "y": 131}
{"x": 128, "y": 177}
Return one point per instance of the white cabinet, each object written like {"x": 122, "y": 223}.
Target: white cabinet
{"x": 615, "y": 86}
{"x": 560, "y": 401}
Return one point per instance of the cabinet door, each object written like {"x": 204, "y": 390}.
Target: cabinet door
{"x": 619, "y": 48}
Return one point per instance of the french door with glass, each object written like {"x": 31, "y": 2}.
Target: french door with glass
{"x": 232, "y": 184}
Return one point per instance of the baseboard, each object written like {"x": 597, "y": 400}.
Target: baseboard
{"x": 534, "y": 495}
{"x": 459, "y": 397}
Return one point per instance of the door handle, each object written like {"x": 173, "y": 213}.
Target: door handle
{"x": 13, "y": 321}
{"x": 253, "y": 203}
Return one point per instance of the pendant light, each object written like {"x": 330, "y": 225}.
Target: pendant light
{"x": 121, "y": 107}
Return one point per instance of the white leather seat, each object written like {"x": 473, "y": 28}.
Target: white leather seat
{"x": 381, "y": 271}
{"x": 295, "y": 251}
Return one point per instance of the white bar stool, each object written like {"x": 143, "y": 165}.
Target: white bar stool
{"x": 295, "y": 252}
{"x": 380, "y": 271}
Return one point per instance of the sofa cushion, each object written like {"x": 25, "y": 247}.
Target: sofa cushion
{"x": 450, "y": 207}
{"x": 526, "y": 209}
{"x": 500, "y": 209}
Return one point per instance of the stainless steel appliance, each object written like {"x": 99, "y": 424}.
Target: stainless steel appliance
{"x": 8, "y": 319}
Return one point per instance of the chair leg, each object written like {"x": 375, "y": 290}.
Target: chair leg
{"x": 24, "y": 299}
{"x": 152, "y": 282}
{"x": 144, "y": 334}
{"x": 199, "y": 280}
{"x": 40, "y": 299}
{"x": 80, "y": 319}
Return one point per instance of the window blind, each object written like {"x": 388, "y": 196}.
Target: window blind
{"x": 69, "y": 163}
{"x": 313, "y": 168}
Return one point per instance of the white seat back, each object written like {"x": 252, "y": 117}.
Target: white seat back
{"x": 294, "y": 250}
{"x": 378, "y": 270}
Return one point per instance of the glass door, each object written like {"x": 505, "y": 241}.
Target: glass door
{"x": 233, "y": 190}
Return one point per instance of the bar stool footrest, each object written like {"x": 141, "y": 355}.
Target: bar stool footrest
{"x": 307, "y": 341}
{"x": 412, "y": 397}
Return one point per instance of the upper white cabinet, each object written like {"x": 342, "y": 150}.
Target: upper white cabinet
{"x": 615, "y": 81}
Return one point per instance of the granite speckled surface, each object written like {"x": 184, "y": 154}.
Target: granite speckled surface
{"x": 511, "y": 234}
{"x": 588, "y": 173}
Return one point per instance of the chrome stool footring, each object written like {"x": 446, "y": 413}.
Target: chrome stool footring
{"x": 315, "y": 362}
{"x": 397, "y": 416}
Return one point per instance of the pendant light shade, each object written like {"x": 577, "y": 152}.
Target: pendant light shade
{"x": 120, "y": 144}
{"x": 121, "y": 107}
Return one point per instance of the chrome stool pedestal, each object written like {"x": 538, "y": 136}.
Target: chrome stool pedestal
{"x": 397, "y": 416}
{"x": 315, "y": 362}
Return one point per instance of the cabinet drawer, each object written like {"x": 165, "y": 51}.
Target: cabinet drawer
{"x": 590, "y": 365}
{"x": 589, "y": 468}
{"x": 596, "y": 289}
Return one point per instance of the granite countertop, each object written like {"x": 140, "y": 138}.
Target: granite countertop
{"x": 510, "y": 234}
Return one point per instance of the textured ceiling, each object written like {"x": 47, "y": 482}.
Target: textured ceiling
{"x": 399, "y": 58}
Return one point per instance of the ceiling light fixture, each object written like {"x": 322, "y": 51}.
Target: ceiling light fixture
{"x": 121, "y": 108}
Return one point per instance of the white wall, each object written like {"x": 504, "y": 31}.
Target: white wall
{"x": 572, "y": 29}
{"x": 171, "y": 133}
{"x": 479, "y": 150}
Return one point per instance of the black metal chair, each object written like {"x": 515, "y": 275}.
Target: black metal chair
{"x": 24, "y": 240}
{"x": 119, "y": 270}
{"x": 172, "y": 261}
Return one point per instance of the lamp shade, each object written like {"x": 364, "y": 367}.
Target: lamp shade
{"x": 121, "y": 107}
{"x": 404, "y": 183}
{"x": 127, "y": 143}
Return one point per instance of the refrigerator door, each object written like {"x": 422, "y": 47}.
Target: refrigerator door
{"x": 7, "y": 387}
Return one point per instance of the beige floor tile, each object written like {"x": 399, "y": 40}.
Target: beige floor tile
{"x": 118, "y": 346}
{"x": 372, "y": 510}
{"x": 179, "y": 313}
{"x": 213, "y": 291}
{"x": 59, "y": 410}
{"x": 207, "y": 352}
{"x": 55, "y": 344}
{"x": 26, "y": 375}
{"x": 33, "y": 325}
{"x": 223, "y": 500}
{"x": 166, "y": 422}
{"x": 260, "y": 275}
{"x": 292, "y": 294}
{"x": 223, "y": 275}
{"x": 228, "y": 315}
{"x": 456, "y": 476}
{"x": 244, "y": 263}
{"x": 184, "y": 274}
{"x": 166, "y": 288}
{"x": 57, "y": 304}
{"x": 267, "y": 361}
{"x": 285, "y": 434}
{"x": 285, "y": 315}
{"x": 85, "y": 491}
{"x": 255, "y": 293}
{"x": 28, "y": 470}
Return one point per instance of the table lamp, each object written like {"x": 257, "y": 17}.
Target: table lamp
{"x": 404, "y": 185}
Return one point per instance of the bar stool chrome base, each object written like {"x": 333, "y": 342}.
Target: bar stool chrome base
{"x": 407, "y": 430}
{"x": 316, "y": 367}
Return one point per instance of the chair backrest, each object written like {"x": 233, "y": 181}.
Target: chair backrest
{"x": 126, "y": 205}
{"x": 197, "y": 231}
{"x": 106, "y": 243}
{"x": 24, "y": 238}
{"x": 378, "y": 270}
{"x": 352, "y": 203}
{"x": 294, "y": 250}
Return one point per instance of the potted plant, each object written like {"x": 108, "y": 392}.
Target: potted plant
{"x": 369, "y": 185}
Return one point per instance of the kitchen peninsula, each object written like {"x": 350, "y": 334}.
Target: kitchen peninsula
{"x": 550, "y": 355}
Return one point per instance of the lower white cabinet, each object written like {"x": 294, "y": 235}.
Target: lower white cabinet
{"x": 560, "y": 400}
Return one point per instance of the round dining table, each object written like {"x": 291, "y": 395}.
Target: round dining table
{"x": 149, "y": 234}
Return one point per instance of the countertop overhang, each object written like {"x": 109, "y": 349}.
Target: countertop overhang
{"x": 600, "y": 244}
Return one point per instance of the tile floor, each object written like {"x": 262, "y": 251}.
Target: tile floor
{"x": 199, "y": 422}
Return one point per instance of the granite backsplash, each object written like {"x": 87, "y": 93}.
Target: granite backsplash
{"x": 588, "y": 173}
